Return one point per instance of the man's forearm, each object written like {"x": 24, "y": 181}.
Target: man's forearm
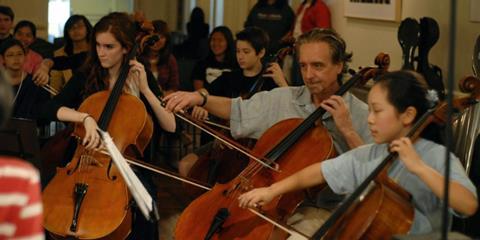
{"x": 219, "y": 106}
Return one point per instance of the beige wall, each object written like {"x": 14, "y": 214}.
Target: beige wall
{"x": 368, "y": 37}
{"x": 102, "y": 8}
{"x": 467, "y": 33}
{"x": 159, "y": 9}
{"x": 236, "y": 12}
{"x": 37, "y": 12}
{"x": 364, "y": 37}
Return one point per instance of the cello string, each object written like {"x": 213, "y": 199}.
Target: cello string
{"x": 154, "y": 169}
{"x": 366, "y": 73}
{"x": 241, "y": 149}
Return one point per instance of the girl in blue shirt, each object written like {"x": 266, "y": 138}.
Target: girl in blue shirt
{"x": 395, "y": 102}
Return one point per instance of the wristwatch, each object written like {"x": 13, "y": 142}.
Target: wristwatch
{"x": 204, "y": 95}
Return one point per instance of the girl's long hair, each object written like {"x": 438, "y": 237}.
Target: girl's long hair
{"x": 161, "y": 28}
{"x": 230, "y": 57}
{"x": 72, "y": 20}
{"x": 123, "y": 29}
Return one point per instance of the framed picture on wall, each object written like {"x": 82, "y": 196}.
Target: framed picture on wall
{"x": 386, "y": 10}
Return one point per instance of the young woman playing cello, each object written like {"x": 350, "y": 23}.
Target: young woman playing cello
{"x": 113, "y": 38}
{"x": 395, "y": 102}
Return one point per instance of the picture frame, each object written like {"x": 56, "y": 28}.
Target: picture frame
{"x": 384, "y": 10}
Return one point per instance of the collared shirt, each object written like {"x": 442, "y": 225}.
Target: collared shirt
{"x": 252, "y": 117}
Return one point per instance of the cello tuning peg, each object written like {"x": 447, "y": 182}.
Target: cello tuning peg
{"x": 351, "y": 71}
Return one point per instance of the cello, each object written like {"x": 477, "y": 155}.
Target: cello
{"x": 380, "y": 208}
{"x": 296, "y": 144}
{"x": 89, "y": 189}
{"x": 59, "y": 147}
{"x": 429, "y": 35}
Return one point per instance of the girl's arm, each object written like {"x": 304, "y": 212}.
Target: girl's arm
{"x": 460, "y": 198}
{"x": 165, "y": 119}
{"x": 305, "y": 178}
{"x": 91, "y": 139}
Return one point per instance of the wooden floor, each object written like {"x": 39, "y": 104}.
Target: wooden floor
{"x": 171, "y": 197}
{"x": 171, "y": 202}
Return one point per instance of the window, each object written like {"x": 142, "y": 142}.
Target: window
{"x": 58, "y": 13}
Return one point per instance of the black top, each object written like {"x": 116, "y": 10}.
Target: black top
{"x": 73, "y": 62}
{"x": 29, "y": 98}
{"x": 43, "y": 47}
{"x": 5, "y": 39}
{"x": 277, "y": 22}
{"x": 234, "y": 84}
{"x": 209, "y": 69}
{"x": 72, "y": 96}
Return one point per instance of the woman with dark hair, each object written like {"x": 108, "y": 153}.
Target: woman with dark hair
{"x": 113, "y": 38}
{"x": 275, "y": 17}
{"x": 76, "y": 35}
{"x": 28, "y": 96}
{"x": 221, "y": 58}
{"x": 196, "y": 27}
{"x": 159, "y": 59}
{"x": 26, "y": 32}
{"x": 251, "y": 44}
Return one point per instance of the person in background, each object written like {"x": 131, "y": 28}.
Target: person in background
{"x": 221, "y": 58}
{"x": 324, "y": 61}
{"x": 26, "y": 32}
{"x": 6, "y": 22}
{"x": 275, "y": 17}
{"x": 396, "y": 101}
{"x": 76, "y": 34}
{"x": 251, "y": 46}
{"x": 310, "y": 14}
{"x": 160, "y": 61}
{"x": 195, "y": 46}
{"x": 21, "y": 208}
{"x": 113, "y": 37}
{"x": 43, "y": 47}
{"x": 28, "y": 96}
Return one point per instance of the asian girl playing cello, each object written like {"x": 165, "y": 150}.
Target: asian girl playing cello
{"x": 113, "y": 38}
{"x": 395, "y": 102}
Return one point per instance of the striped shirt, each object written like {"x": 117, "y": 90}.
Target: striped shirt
{"x": 20, "y": 201}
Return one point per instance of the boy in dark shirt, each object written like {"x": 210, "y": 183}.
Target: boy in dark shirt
{"x": 251, "y": 45}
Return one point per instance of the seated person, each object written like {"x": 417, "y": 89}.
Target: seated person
{"x": 251, "y": 45}
{"x": 21, "y": 209}
{"x": 26, "y": 32}
{"x": 28, "y": 96}
{"x": 396, "y": 102}
{"x": 76, "y": 34}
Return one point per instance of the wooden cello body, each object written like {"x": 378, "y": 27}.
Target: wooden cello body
{"x": 199, "y": 217}
{"x": 88, "y": 199}
{"x": 286, "y": 148}
{"x": 384, "y": 211}
{"x": 380, "y": 208}
{"x": 220, "y": 165}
